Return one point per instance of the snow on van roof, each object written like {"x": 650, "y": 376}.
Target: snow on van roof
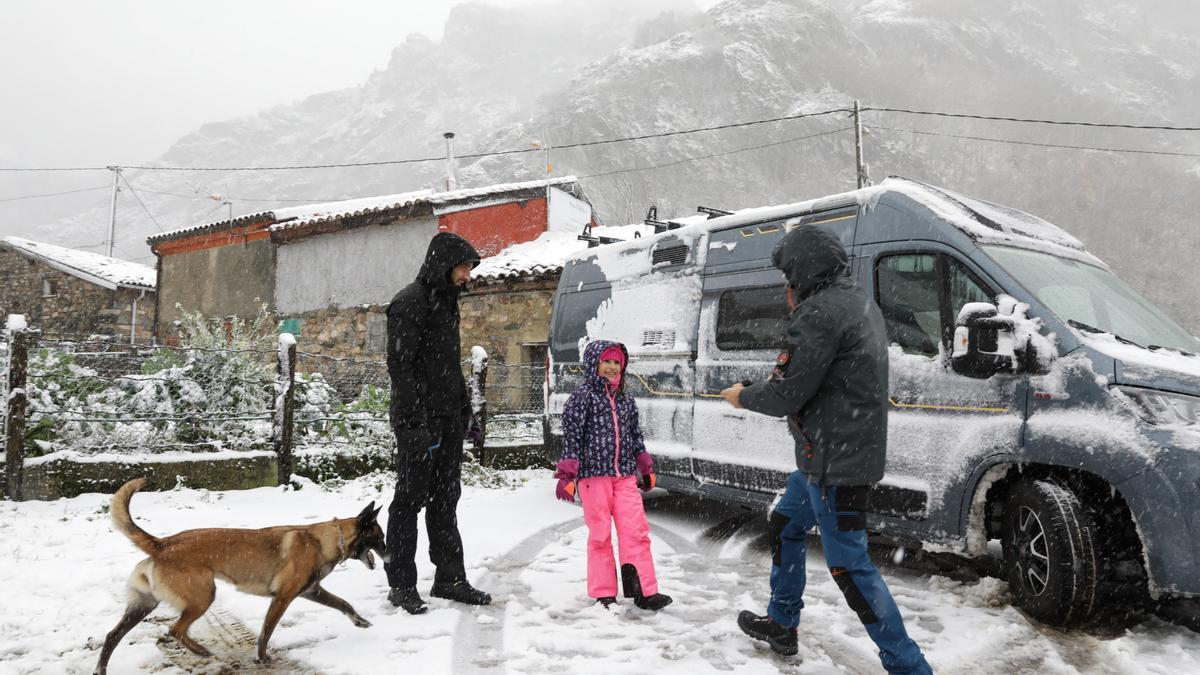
{"x": 983, "y": 221}
{"x": 93, "y": 267}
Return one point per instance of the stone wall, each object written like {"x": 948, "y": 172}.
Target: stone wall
{"x": 511, "y": 320}
{"x": 63, "y": 304}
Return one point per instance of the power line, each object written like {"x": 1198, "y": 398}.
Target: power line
{"x": 54, "y": 194}
{"x": 139, "y": 201}
{"x": 1105, "y": 125}
{"x": 1042, "y": 145}
{"x": 480, "y": 155}
{"x": 715, "y": 154}
{"x": 623, "y": 139}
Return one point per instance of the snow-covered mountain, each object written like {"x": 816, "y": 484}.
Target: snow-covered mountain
{"x": 577, "y": 71}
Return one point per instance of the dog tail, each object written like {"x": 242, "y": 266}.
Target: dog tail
{"x": 123, "y": 522}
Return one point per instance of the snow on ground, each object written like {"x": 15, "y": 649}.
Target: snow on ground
{"x": 64, "y": 570}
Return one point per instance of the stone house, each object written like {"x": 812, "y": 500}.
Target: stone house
{"x": 328, "y": 271}
{"x": 68, "y": 292}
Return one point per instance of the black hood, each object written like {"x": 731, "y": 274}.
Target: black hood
{"x": 446, "y": 251}
{"x": 810, "y": 258}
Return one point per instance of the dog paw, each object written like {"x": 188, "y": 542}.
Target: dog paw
{"x": 360, "y": 622}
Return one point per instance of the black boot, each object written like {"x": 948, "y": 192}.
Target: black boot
{"x": 782, "y": 640}
{"x": 460, "y": 591}
{"x": 408, "y": 598}
{"x": 607, "y": 601}
{"x": 633, "y": 589}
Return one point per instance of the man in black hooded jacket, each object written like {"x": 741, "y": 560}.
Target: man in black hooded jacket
{"x": 429, "y": 412}
{"x": 831, "y": 383}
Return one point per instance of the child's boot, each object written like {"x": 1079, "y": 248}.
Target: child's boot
{"x": 633, "y": 589}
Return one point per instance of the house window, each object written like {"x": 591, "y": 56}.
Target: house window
{"x": 49, "y": 287}
{"x": 376, "y": 333}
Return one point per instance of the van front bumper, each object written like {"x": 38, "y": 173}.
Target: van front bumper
{"x": 1165, "y": 503}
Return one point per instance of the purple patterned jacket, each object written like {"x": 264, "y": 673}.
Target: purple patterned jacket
{"x": 600, "y": 428}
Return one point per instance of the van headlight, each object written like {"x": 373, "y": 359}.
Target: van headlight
{"x": 1160, "y": 407}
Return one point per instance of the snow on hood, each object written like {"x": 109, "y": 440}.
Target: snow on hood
{"x": 92, "y": 267}
{"x": 1140, "y": 366}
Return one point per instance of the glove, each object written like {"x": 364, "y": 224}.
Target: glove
{"x": 474, "y": 436}
{"x": 645, "y": 467}
{"x": 565, "y": 472}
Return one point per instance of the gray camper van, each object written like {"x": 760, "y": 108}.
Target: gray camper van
{"x": 1036, "y": 398}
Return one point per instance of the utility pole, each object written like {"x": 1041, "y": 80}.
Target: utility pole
{"x": 112, "y": 218}
{"x": 860, "y": 167}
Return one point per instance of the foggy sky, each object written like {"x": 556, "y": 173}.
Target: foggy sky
{"x": 90, "y": 82}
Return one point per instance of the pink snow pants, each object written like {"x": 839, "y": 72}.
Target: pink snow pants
{"x": 607, "y": 500}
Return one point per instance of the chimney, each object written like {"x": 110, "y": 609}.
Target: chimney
{"x": 451, "y": 184}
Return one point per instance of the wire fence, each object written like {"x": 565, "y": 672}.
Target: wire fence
{"x": 96, "y": 396}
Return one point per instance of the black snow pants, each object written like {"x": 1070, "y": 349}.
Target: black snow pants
{"x": 435, "y": 484}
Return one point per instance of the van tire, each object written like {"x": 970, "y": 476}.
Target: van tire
{"x": 1049, "y": 553}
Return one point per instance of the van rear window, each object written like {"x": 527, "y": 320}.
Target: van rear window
{"x": 752, "y": 318}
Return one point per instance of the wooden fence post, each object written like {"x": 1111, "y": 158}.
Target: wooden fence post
{"x": 285, "y": 383}
{"x": 478, "y": 391}
{"x": 15, "y": 406}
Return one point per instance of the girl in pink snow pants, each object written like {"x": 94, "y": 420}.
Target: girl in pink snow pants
{"x": 603, "y": 450}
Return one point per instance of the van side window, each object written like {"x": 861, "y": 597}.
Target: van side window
{"x": 752, "y": 318}
{"x": 920, "y": 294}
{"x": 907, "y": 285}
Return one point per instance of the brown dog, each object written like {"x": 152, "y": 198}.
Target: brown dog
{"x": 281, "y": 562}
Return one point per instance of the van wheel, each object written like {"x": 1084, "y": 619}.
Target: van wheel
{"x": 1049, "y": 555}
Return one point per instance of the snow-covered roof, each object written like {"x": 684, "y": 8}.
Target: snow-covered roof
{"x": 211, "y": 225}
{"x": 294, "y": 217}
{"x": 546, "y": 254}
{"x": 98, "y": 269}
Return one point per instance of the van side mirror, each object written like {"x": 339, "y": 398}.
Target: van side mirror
{"x": 984, "y": 342}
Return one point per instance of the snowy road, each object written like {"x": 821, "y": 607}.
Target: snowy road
{"x": 63, "y": 570}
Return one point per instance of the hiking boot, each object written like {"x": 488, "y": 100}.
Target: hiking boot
{"x": 652, "y": 602}
{"x": 407, "y": 598}
{"x": 460, "y": 591}
{"x": 782, "y": 640}
{"x": 632, "y": 585}
{"x": 607, "y": 601}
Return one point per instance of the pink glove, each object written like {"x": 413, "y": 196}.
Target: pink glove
{"x": 565, "y": 472}
{"x": 645, "y": 464}
{"x": 645, "y": 468}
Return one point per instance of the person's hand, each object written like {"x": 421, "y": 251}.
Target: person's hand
{"x": 645, "y": 468}
{"x": 565, "y": 472}
{"x": 731, "y": 394}
{"x": 474, "y": 435}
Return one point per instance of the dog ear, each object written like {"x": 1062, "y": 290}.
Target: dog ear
{"x": 368, "y": 514}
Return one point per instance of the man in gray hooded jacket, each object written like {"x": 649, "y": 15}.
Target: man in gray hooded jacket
{"x": 831, "y": 382}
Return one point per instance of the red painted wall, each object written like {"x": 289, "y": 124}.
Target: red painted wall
{"x": 490, "y": 229}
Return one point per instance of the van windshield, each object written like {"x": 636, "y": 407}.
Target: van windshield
{"x": 1092, "y": 298}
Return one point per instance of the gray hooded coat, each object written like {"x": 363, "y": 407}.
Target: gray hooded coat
{"x": 834, "y": 389}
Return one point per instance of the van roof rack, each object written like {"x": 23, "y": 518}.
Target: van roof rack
{"x": 713, "y": 213}
{"x": 596, "y": 240}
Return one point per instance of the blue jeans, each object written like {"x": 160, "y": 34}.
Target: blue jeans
{"x": 844, "y": 538}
